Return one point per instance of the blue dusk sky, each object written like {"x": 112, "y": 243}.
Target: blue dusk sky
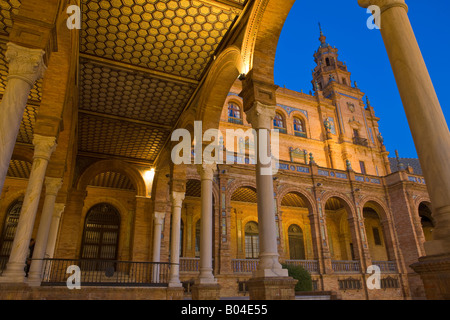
{"x": 344, "y": 25}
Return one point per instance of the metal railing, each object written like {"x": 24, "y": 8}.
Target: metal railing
{"x": 107, "y": 273}
{"x": 310, "y": 265}
{"x": 361, "y": 141}
{"x": 344, "y": 266}
{"x": 386, "y": 266}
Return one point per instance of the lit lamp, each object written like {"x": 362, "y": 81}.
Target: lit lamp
{"x": 149, "y": 175}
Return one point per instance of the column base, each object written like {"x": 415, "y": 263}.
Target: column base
{"x": 14, "y": 273}
{"x": 435, "y": 274}
{"x": 206, "y": 291}
{"x": 273, "y": 288}
{"x": 175, "y": 293}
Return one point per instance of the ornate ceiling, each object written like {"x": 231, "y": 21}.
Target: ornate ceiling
{"x": 141, "y": 61}
{"x": 245, "y": 194}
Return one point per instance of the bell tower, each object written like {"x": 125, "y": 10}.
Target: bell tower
{"x": 328, "y": 67}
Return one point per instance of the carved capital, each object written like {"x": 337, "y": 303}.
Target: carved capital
{"x": 25, "y": 63}
{"x": 383, "y": 4}
{"x": 59, "y": 208}
{"x": 159, "y": 217}
{"x": 261, "y": 116}
{"x": 43, "y": 146}
{"x": 177, "y": 198}
{"x": 52, "y": 185}
{"x": 206, "y": 171}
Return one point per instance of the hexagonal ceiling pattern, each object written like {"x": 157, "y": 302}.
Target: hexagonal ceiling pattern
{"x": 173, "y": 36}
{"x": 141, "y": 62}
{"x": 131, "y": 95}
{"x": 7, "y": 9}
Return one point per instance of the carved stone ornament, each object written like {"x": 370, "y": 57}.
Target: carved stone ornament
{"x": 43, "y": 146}
{"x": 261, "y": 116}
{"x": 25, "y": 63}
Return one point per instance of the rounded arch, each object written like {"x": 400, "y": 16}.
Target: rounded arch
{"x": 115, "y": 166}
{"x": 376, "y": 204}
{"x": 235, "y": 185}
{"x": 261, "y": 38}
{"x": 309, "y": 201}
{"x": 344, "y": 200}
{"x": 224, "y": 72}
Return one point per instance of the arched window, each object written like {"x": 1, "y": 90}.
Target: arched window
{"x": 101, "y": 233}
{"x": 296, "y": 243}
{"x": 251, "y": 240}
{"x": 299, "y": 128}
{"x": 234, "y": 114}
{"x": 278, "y": 123}
{"x": 9, "y": 231}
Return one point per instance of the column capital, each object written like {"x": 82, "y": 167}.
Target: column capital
{"x": 177, "y": 198}
{"x": 383, "y": 4}
{"x": 159, "y": 217}
{"x": 25, "y": 63}
{"x": 52, "y": 185}
{"x": 206, "y": 171}
{"x": 59, "y": 209}
{"x": 261, "y": 116}
{"x": 43, "y": 146}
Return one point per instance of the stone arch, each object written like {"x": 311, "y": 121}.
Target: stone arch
{"x": 261, "y": 38}
{"x": 235, "y": 185}
{"x": 293, "y": 189}
{"x": 116, "y": 166}
{"x": 378, "y": 205}
{"x": 224, "y": 72}
{"x": 347, "y": 203}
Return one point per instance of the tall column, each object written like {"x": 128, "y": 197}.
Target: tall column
{"x": 177, "y": 202}
{"x": 261, "y": 117}
{"x": 52, "y": 186}
{"x": 157, "y": 228}
{"x": 54, "y": 228}
{"x": 206, "y": 172}
{"x": 43, "y": 149}
{"x": 25, "y": 67}
{"x": 430, "y": 133}
{"x": 426, "y": 120}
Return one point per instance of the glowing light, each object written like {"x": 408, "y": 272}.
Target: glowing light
{"x": 149, "y": 175}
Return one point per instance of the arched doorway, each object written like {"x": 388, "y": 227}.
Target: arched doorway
{"x": 101, "y": 233}
{"x": 9, "y": 231}
{"x": 296, "y": 243}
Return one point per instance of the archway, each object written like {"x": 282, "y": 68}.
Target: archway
{"x": 340, "y": 238}
{"x": 376, "y": 237}
{"x": 9, "y": 230}
{"x": 295, "y": 210}
{"x": 426, "y": 220}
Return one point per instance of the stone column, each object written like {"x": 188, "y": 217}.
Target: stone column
{"x": 206, "y": 172}
{"x": 177, "y": 202}
{"x": 261, "y": 117}
{"x": 54, "y": 228}
{"x": 430, "y": 133}
{"x": 426, "y": 120}
{"x": 158, "y": 221}
{"x": 52, "y": 186}
{"x": 25, "y": 67}
{"x": 43, "y": 149}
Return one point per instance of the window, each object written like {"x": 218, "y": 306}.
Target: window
{"x": 234, "y": 114}
{"x": 376, "y": 236}
{"x": 299, "y": 128}
{"x": 327, "y": 61}
{"x": 296, "y": 243}
{"x": 251, "y": 240}
{"x": 101, "y": 233}
{"x": 9, "y": 231}
{"x": 363, "y": 167}
{"x": 278, "y": 123}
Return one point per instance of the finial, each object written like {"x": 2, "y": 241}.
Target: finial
{"x": 367, "y": 101}
{"x": 320, "y": 28}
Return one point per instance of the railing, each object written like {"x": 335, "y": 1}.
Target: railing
{"x": 360, "y": 141}
{"x": 107, "y": 273}
{"x": 235, "y": 120}
{"x": 342, "y": 266}
{"x": 250, "y": 265}
{"x": 310, "y": 265}
{"x": 386, "y": 266}
{"x": 301, "y": 134}
{"x": 244, "y": 265}
{"x": 189, "y": 264}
